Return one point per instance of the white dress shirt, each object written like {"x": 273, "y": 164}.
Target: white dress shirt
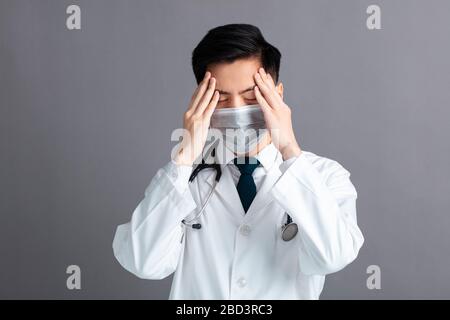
{"x": 238, "y": 255}
{"x": 267, "y": 157}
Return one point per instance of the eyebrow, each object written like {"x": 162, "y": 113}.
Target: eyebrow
{"x": 240, "y": 92}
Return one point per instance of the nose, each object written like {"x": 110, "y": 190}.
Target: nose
{"x": 236, "y": 102}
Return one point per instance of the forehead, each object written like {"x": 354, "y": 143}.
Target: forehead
{"x": 236, "y": 75}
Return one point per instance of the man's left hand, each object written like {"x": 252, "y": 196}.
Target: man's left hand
{"x": 277, "y": 115}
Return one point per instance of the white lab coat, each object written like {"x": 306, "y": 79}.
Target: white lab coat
{"x": 238, "y": 255}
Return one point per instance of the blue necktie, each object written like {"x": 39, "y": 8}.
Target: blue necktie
{"x": 246, "y": 185}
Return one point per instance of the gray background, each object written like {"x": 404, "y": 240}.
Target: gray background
{"x": 86, "y": 118}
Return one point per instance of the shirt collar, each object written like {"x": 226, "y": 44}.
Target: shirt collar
{"x": 267, "y": 156}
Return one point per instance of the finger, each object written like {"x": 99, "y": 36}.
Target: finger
{"x": 262, "y": 101}
{"x": 267, "y": 78}
{"x": 267, "y": 92}
{"x": 198, "y": 93}
{"x": 204, "y": 80}
{"x": 273, "y": 86}
{"x": 206, "y": 99}
{"x": 212, "y": 105}
{"x": 201, "y": 88}
{"x": 263, "y": 73}
{"x": 270, "y": 81}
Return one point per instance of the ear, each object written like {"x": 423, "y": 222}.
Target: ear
{"x": 280, "y": 89}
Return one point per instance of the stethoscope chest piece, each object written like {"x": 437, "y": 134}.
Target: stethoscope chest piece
{"x": 289, "y": 231}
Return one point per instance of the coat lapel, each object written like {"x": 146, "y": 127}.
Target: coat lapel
{"x": 227, "y": 193}
{"x": 263, "y": 196}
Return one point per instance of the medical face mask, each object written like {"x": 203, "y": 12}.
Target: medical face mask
{"x": 242, "y": 128}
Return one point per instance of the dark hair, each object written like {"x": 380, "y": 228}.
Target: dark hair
{"x": 231, "y": 42}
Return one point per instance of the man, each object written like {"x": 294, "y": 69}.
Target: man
{"x": 238, "y": 247}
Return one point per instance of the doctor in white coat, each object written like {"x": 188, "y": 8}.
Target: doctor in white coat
{"x": 238, "y": 252}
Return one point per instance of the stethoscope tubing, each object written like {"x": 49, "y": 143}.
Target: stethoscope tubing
{"x": 289, "y": 229}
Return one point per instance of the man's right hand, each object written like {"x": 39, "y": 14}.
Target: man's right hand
{"x": 196, "y": 121}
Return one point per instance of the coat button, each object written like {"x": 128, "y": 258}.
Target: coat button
{"x": 245, "y": 230}
{"x": 241, "y": 282}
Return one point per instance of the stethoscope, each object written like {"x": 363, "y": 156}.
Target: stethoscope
{"x": 288, "y": 231}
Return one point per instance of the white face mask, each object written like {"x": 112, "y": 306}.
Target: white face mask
{"x": 242, "y": 128}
